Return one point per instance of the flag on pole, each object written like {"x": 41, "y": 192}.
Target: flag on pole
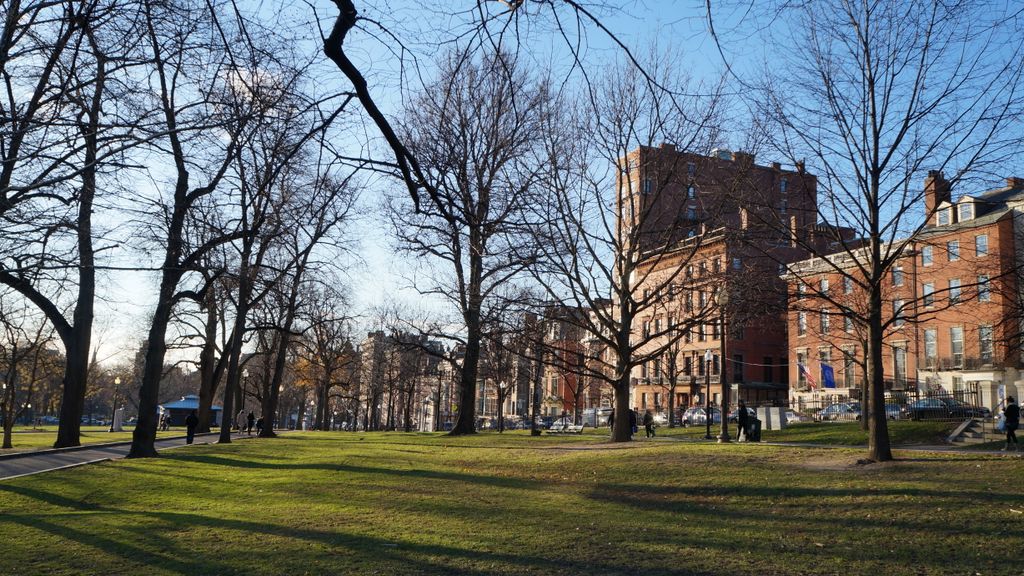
{"x": 828, "y": 376}
{"x": 807, "y": 374}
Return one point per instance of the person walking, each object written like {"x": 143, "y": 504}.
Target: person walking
{"x": 743, "y": 420}
{"x": 259, "y": 425}
{"x": 191, "y": 421}
{"x": 1011, "y": 414}
{"x": 250, "y": 420}
{"x": 649, "y": 423}
{"x": 611, "y": 422}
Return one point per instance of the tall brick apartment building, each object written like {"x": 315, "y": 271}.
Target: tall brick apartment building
{"x": 715, "y": 224}
{"x": 952, "y": 303}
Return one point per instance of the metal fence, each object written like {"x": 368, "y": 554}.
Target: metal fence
{"x": 910, "y": 404}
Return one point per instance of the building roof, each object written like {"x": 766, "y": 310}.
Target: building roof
{"x": 190, "y": 402}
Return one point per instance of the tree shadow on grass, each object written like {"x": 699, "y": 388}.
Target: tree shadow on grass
{"x": 152, "y": 549}
{"x": 417, "y": 473}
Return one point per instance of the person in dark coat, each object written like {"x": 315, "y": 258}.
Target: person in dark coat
{"x": 259, "y": 425}
{"x": 1012, "y": 415}
{"x": 649, "y": 423}
{"x": 250, "y": 421}
{"x": 743, "y": 420}
{"x": 632, "y": 423}
{"x": 611, "y": 420}
{"x": 191, "y": 421}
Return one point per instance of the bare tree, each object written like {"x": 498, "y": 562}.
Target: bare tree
{"x": 474, "y": 131}
{"x": 874, "y": 96}
{"x": 611, "y": 249}
{"x": 25, "y": 352}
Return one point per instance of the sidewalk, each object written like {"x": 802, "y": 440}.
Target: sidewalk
{"x": 21, "y": 464}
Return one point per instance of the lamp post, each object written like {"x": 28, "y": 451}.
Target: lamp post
{"x": 113, "y": 403}
{"x": 245, "y": 388}
{"x": 722, "y": 300}
{"x": 707, "y": 394}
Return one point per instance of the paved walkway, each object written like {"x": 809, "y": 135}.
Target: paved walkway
{"x": 17, "y": 465}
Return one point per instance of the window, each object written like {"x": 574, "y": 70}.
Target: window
{"x": 783, "y": 185}
{"x": 897, "y": 276}
{"x": 736, "y": 331}
{"x": 801, "y": 290}
{"x": 897, "y": 313}
{"x": 966, "y": 211}
{"x": 824, "y": 359}
{"x": 689, "y": 301}
{"x": 691, "y": 192}
{"x": 715, "y": 331}
{"x": 984, "y": 289}
{"x": 899, "y": 366}
{"x": 953, "y": 250}
{"x": 942, "y": 217}
{"x": 643, "y": 399}
{"x": 954, "y": 290}
{"x": 823, "y": 285}
{"x": 648, "y": 186}
{"x": 926, "y": 256}
{"x": 657, "y": 325}
{"x": 928, "y": 293}
{"x": 657, "y": 369}
{"x": 847, "y": 285}
{"x": 737, "y": 367}
{"x": 643, "y": 370}
{"x": 702, "y": 334}
{"x": 767, "y": 365}
{"x": 985, "y": 344}
{"x": 687, "y": 366}
{"x": 715, "y": 368}
{"x": 691, "y": 169}
{"x": 737, "y": 263}
{"x": 646, "y": 328}
{"x": 801, "y": 376}
{"x": 847, "y": 324}
{"x": 801, "y": 323}
{"x": 702, "y": 299}
{"x": 824, "y": 321}
{"x": 981, "y": 245}
{"x": 716, "y": 266}
{"x": 783, "y": 206}
{"x": 691, "y": 213}
{"x": 657, "y": 400}
{"x": 931, "y": 348}
{"x": 701, "y": 366}
{"x": 849, "y": 367}
{"x": 956, "y": 346}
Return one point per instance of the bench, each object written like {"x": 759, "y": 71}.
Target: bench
{"x": 571, "y": 429}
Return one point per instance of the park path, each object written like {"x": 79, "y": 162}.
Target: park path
{"x": 25, "y": 464}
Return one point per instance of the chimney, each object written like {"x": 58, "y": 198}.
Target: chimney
{"x": 743, "y": 158}
{"x": 668, "y": 147}
{"x": 1015, "y": 182}
{"x": 936, "y": 191}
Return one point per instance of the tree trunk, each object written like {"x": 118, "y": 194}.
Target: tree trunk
{"x": 208, "y": 364}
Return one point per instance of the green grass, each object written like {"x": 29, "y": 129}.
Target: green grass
{"x": 902, "y": 432}
{"x": 25, "y": 439}
{"x": 343, "y": 503}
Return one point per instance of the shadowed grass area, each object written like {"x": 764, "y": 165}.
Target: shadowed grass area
{"x": 901, "y": 432}
{"x": 28, "y": 439}
{"x": 343, "y": 503}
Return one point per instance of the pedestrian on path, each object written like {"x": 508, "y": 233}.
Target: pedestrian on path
{"x": 649, "y": 423}
{"x": 249, "y": 421}
{"x": 743, "y": 420}
{"x": 190, "y": 427}
{"x": 1011, "y": 414}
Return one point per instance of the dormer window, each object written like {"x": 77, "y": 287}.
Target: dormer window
{"x": 966, "y": 210}
{"x": 691, "y": 169}
{"x": 691, "y": 192}
{"x": 942, "y": 217}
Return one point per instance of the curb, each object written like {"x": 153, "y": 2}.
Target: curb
{"x": 99, "y": 445}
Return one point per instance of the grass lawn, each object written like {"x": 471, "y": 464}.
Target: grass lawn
{"x": 344, "y": 503}
{"x": 901, "y": 432}
{"x": 26, "y": 439}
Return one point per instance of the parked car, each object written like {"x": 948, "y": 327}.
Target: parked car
{"x": 50, "y": 420}
{"x": 839, "y": 412}
{"x": 751, "y": 414}
{"x": 941, "y": 408}
{"x": 794, "y": 417}
{"x": 561, "y": 423}
{"x": 696, "y": 416}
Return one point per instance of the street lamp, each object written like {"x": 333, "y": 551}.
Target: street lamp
{"x": 722, "y": 300}
{"x": 245, "y": 386}
{"x": 707, "y": 394}
{"x": 113, "y": 403}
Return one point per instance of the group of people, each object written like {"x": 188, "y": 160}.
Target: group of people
{"x": 250, "y": 422}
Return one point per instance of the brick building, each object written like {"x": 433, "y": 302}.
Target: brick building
{"x": 713, "y": 225}
{"x": 951, "y": 303}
